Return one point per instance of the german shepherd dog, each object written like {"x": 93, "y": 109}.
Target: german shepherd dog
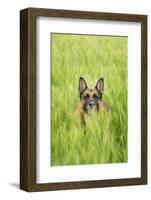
{"x": 90, "y": 98}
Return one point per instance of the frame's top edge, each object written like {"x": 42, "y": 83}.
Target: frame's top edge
{"x": 91, "y": 15}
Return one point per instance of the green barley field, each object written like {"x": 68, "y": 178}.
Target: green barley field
{"x": 104, "y": 137}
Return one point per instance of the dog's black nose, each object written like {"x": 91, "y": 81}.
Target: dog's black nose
{"x": 91, "y": 104}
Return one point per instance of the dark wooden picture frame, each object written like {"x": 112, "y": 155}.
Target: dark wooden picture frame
{"x": 28, "y": 98}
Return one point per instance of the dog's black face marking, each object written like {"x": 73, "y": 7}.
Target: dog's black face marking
{"x": 90, "y": 101}
{"x": 91, "y": 97}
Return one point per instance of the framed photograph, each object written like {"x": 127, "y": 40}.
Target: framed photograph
{"x": 83, "y": 99}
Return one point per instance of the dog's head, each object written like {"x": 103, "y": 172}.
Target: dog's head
{"x": 91, "y": 97}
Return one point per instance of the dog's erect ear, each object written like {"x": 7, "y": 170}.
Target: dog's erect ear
{"x": 82, "y": 85}
{"x": 100, "y": 86}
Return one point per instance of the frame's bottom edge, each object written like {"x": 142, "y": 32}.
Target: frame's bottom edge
{"x": 39, "y": 187}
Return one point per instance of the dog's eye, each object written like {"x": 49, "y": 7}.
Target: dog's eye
{"x": 87, "y": 96}
{"x": 95, "y": 96}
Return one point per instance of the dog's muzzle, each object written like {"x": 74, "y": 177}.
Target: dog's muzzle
{"x": 92, "y": 105}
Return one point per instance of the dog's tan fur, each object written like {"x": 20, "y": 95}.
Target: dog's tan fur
{"x": 80, "y": 112}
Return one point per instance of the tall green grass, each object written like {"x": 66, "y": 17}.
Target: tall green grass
{"x": 104, "y": 138}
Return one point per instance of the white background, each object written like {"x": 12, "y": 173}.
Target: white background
{"x": 45, "y": 173}
{"x": 9, "y": 99}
